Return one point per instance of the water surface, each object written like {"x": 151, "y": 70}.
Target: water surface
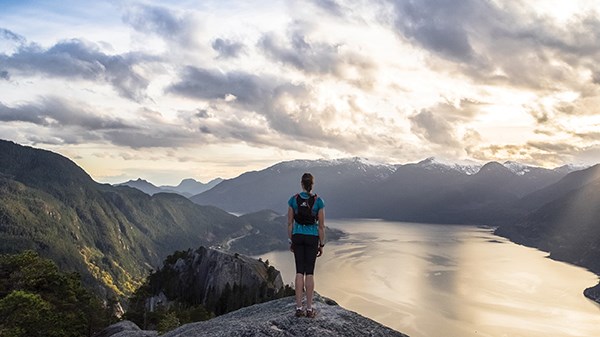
{"x": 450, "y": 281}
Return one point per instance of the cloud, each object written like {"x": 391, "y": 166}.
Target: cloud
{"x": 154, "y": 19}
{"x": 505, "y": 43}
{"x": 433, "y": 128}
{"x": 227, "y": 48}
{"x": 544, "y": 153}
{"x": 6, "y": 34}
{"x": 202, "y": 83}
{"x": 172, "y": 26}
{"x": 78, "y": 59}
{"x": 439, "y": 25}
{"x": 264, "y": 111}
{"x": 299, "y": 51}
{"x": 57, "y": 112}
{"x": 438, "y": 124}
{"x": 330, "y": 6}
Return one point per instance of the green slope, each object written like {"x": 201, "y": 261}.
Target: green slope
{"x": 111, "y": 235}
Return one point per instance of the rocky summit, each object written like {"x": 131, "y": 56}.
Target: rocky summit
{"x": 276, "y": 318}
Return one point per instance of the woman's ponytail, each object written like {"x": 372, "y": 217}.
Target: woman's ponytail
{"x": 307, "y": 182}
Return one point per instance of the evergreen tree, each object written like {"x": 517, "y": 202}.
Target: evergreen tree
{"x": 37, "y": 299}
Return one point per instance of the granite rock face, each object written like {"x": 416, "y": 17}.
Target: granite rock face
{"x": 125, "y": 329}
{"x": 276, "y": 318}
{"x": 219, "y": 280}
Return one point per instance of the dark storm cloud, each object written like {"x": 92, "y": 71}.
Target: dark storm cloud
{"x": 227, "y": 48}
{"x": 80, "y": 60}
{"x": 4, "y": 75}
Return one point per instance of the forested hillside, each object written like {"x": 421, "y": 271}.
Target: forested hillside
{"x": 111, "y": 235}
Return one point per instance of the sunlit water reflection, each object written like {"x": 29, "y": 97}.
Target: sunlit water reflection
{"x": 450, "y": 281}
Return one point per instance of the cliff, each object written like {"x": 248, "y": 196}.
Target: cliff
{"x": 219, "y": 281}
{"x": 275, "y": 318}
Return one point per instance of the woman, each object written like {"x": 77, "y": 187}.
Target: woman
{"x": 306, "y": 235}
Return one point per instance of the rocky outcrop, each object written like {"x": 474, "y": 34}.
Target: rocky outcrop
{"x": 218, "y": 280}
{"x": 276, "y": 318}
{"x": 125, "y": 329}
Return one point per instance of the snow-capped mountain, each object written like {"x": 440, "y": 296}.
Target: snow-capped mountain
{"x": 428, "y": 191}
{"x": 433, "y": 163}
{"x": 517, "y": 168}
{"x": 357, "y": 162}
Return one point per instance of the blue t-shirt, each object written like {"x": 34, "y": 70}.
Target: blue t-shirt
{"x": 306, "y": 229}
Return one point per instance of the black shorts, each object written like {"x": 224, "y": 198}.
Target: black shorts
{"x": 305, "y": 252}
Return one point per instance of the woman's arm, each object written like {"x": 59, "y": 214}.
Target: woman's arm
{"x": 290, "y": 224}
{"x": 321, "y": 217}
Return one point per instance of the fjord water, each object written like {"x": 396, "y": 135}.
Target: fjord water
{"x": 452, "y": 281}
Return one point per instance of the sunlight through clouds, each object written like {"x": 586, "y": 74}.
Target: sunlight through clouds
{"x": 272, "y": 81}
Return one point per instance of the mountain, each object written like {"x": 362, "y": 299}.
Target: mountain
{"x": 143, "y": 185}
{"x": 271, "y": 319}
{"x": 427, "y": 191}
{"x": 568, "y": 223}
{"x": 344, "y": 182}
{"x": 571, "y": 182}
{"x": 187, "y": 187}
{"x": 111, "y": 235}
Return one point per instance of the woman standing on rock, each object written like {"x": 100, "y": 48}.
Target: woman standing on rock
{"x": 306, "y": 235}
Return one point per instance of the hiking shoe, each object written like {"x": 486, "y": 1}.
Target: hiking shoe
{"x": 311, "y": 313}
{"x": 300, "y": 312}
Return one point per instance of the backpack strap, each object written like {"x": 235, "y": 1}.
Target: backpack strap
{"x": 297, "y": 197}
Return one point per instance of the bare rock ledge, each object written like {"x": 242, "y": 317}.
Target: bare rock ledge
{"x": 276, "y": 318}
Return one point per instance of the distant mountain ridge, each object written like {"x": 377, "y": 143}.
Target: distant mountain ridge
{"x": 427, "y": 191}
{"x": 187, "y": 187}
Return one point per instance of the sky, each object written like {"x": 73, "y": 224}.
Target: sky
{"x": 204, "y": 89}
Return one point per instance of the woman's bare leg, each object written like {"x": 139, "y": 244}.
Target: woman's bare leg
{"x": 300, "y": 290}
{"x": 310, "y": 290}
